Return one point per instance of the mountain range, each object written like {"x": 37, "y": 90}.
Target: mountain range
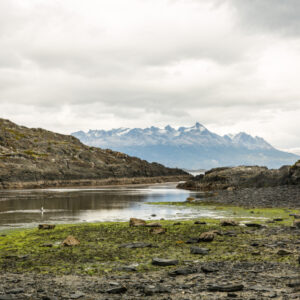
{"x": 189, "y": 147}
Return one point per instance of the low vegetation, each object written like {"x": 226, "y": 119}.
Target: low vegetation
{"x": 41, "y": 251}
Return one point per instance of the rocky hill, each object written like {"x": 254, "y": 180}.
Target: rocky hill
{"x": 38, "y": 158}
{"x": 189, "y": 147}
{"x": 244, "y": 177}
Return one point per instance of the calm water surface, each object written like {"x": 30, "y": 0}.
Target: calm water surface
{"x": 22, "y": 208}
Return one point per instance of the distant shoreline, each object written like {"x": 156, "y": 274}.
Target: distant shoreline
{"x": 90, "y": 182}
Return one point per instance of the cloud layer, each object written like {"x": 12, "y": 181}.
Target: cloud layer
{"x": 232, "y": 65}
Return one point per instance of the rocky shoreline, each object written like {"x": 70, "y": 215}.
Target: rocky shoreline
{"x": 227, "y": 280}
{"x": 286, "y": 196}
{"x": 91, "y": 182}
{"x": 232, "y": 178}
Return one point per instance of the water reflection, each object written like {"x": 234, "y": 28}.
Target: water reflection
{"x": 22, "y": 208}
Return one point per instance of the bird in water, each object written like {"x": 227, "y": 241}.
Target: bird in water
{"x": 42, "y": 209}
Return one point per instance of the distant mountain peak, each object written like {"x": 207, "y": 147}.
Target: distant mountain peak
{"x": 188, "y": 147}
{"x": 169, "y": 128}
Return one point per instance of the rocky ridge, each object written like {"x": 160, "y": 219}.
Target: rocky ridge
{"x": 244, "y": 177}
{"x": 39, "y": 158}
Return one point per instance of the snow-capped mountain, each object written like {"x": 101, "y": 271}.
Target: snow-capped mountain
{"x": 188, "y": 147}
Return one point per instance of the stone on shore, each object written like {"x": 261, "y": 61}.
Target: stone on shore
{"x": 198, "y": 250}
{"x": 228, "y": 223}
{"x": 190, "y": 199}
{"x": 136, "y": 222}
{"x": 164, "y": 262}
{"x": 135, "y": 245}
{"x": 255, "y": 225}
{"x": 193, "y": 240}
{"x": 117, "y": 290}
{"x": 207, "y": 236}
{"x": 46, "y": 226}
{"x": 200, "y": 223}
{"x": 226, "y": 288}
{"x": 283, "y": 252}
{"x": 183, "y": 271}
{"x": 71, "y": 241}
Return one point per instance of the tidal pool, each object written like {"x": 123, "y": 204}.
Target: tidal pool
{"x": 22, "y": 208}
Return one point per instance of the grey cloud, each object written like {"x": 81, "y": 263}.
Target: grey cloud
{"x": 61, "y": 71}
{"x": 52, "y": 38}
{"x": 277, "y": 16}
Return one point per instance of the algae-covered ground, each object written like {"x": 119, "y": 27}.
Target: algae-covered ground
{"x": 238, "y": 212}
{"x": 41, "y": 251}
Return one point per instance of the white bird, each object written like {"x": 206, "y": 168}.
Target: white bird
{"x": 42, "y": 209}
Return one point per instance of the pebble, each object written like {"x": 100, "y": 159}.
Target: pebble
{"x": 77, "y": 295}
{"x": 117, "y": 290}
{"x": 226, "y": 288}
{"x": 183, "y": 271}
{"x": 164, "y": 262}
{"x": 198, "y": 250}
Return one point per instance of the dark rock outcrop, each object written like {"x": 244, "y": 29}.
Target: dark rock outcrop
{"x": 231, "y": 178}
{"x": 38, "y": 158}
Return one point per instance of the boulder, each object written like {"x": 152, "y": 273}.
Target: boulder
{"x": 71, "y": 241}
{"x": 207, "y": 236}
{"x": 46, "y": 226}
{"x": 136, "y": 222}
{"x": 228, "y": 223}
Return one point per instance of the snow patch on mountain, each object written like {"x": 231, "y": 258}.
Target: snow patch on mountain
{"x": 188, "y": 147}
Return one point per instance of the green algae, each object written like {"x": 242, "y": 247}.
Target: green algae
{"x": 239, "y": 213}
{"x": 99, "y": 252}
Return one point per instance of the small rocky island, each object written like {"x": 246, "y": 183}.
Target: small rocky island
{"x": 250, "y": 186}
{"x": 231, "y": 178}
{"x": 31, "y": 158}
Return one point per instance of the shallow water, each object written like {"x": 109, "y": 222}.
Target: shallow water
{"x": 22, "y": 208}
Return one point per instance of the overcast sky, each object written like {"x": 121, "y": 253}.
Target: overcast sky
{"x": 232, "y": 65}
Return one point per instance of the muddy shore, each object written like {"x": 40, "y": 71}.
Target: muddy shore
{"x": 88, "y": 183}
